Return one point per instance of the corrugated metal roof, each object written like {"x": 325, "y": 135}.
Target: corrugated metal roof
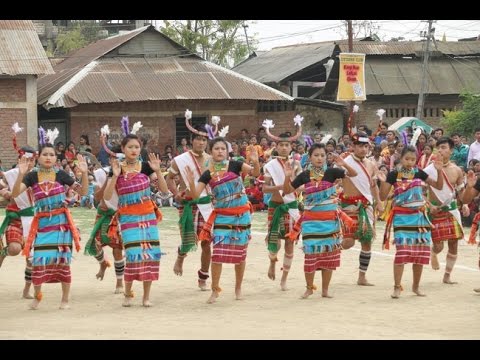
{"x": 279, "y": 63}
{"x": 21, "y": 52}
{"x": 142, "y": 79}
{"x": 411, "y": 48}
{"x": 47, "y": 85}
{"x": 403, "y": 76}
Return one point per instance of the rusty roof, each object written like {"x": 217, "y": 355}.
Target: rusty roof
{"x": 282, "y": 62}
{"x": 118, "y": 79}
{"x": 411, "y": 48}
{"x": 76, "y": 61}
{"x": 21, "y": 52}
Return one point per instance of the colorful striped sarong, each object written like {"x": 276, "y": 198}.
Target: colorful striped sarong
{"x": 446, "y": 227}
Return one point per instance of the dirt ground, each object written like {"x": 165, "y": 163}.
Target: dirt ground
{"x": 180, "y": 310}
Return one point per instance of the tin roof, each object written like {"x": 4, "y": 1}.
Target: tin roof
{"x": 21, "y": 52}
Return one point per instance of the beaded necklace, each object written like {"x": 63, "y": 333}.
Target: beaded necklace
{"x": 316, "y": 174}
{"x": 46, "y": 179}
{"x": 218, "y": 169}
{"x": 126, "y": 170}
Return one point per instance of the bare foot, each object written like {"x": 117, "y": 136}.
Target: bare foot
{"x": 418, "y": 292}
{"x": 202, "y": 284}
{"x": 127, "y": 302}
{"x": 64, "y": 305}
{"x": 147, "y": 303}
{"x": 477, "y": 290}
{"x": 325, "y": 294}
{"x": 238, "y": 294}
{"x": 434, "y": 261}
{"x": 34, "y": 304}
{"x": 364, "y": 282}
{"x": 397, "y": 289}
{"x": 101, "y": 273}
{"x": 26, "y": 295}
{"x": 307, "y": 293}
{"x": 178, "y": 267}
{"x": 446, "y": 280}
{"x": 283, "y": 285}
{"x": 271, "y": 270}
{"x": 213, "y": 297}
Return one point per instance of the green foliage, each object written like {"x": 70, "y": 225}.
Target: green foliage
{"x": 222, "y": 42}
{"x": 466, "y": 120}
{"x": 81, "y": 34}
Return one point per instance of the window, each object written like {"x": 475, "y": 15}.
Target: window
{"x": 274, "y": 106}
{"x": 181, "y": 130}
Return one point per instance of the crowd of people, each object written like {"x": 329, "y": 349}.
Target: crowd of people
{"x": 328, "y": 193}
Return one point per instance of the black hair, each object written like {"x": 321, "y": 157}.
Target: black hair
{"x": 445, "y": 140}
{"x": 47, "y": 145}
{"x": 201, "y": 128}
{"x": 129, "y": 137}
{"x": 86, "y": 138}
{"x": 216, "y": 140}
{"x": 408, "y": 148}
{"x": 314, "y": 147}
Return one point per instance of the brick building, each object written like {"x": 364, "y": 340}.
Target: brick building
{"x": 22, "y": 59}
{"x": 152, "y": 79}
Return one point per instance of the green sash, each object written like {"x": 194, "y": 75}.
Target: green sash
{"x": 187, "y": 229}
{"x": 274, "y": 233}
{"x": 104, "y": 220}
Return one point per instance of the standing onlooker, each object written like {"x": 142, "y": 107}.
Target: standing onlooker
{"x": 474, "y": 151}
{"x": 84, "y": 144}
{"x": 183, "y": 147}
{"x": 71, "y": 152}
{"x": 460, "y": 152}
{"x": 60, "y": 151}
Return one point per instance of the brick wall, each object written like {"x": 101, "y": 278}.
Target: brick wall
{"x": 158, "y": 119}
{"x": 8, "y": 117}
{"x": 13, "y": 90}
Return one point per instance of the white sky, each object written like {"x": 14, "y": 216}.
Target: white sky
{"x": 272, "y": 33}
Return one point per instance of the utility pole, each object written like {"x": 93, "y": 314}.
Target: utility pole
{"x": 245, "y": 26}
{"x": 350, "y": 50}
{"x": 421, "y": 96}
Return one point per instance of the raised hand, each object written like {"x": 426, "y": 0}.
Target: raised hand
{"x": 471, "y": 178}
{"x": 116, "y": 167}
{"x": 338, "y": 159}
{"x": 288, "y": 170}
{"x": 82, "y": 164}
{"x": 438, "y": 162}
{"x": 381, "y": 176}
{"x": 154, "y": 161}
{"x": 23, "y": 165}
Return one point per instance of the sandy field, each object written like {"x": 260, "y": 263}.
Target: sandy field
{"x": 180, "y": 310}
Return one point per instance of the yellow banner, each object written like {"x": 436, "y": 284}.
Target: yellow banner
{"x": 351, "y": 79}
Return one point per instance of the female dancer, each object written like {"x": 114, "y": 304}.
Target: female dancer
{"x": 320, "y": 221}
{"x": 53, "y": 232}
{"x": 229, "y": 224}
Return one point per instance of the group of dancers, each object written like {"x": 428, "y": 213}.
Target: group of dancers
{"x": 214, "y": 211}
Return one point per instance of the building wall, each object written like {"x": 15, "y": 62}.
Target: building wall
{"x": 402, "y": 106}
{"x": 18, "y": 103}
{"x": 158, "y": 119}
{"x": 322, "y": 120}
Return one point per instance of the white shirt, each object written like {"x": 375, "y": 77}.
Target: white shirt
{"x": 474, "y": 152}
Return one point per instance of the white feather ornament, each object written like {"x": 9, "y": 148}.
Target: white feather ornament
{"x": 16, "y": 128}
{"x": 268, "y": 124}
{"x": 188, "y": 114}
{"x": 380, "y": 113}
{"x": 137, "y": 126}
{"x": 215, "y": 120}
{"x": 355, "y": 108}
{"x": 224, "y": 131}
{"x": 52, "y": 135}
{"x": 105, "y": 130}
{"x": 298, "y": 120}
{"x": 416, "y": 135}
{"x": 325, "y": 139}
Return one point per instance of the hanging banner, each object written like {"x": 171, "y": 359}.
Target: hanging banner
{"x": 351, "y": 79}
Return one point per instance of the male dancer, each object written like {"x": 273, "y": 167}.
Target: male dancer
{"x": 282, "y": 210}
{"x": 192, "y": 212}
{"x": 444, "y": 209}
{"x": 18, "y": 218}
{"x": 360, "y": 195}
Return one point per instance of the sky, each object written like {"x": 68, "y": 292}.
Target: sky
{"x": 273, "y": 33}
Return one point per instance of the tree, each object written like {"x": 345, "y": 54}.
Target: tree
{"x": 219, "y": 41}
{"x": 464, "y": 121}
{"x": 81, "y": 34}
{"x": 360, "y": 28}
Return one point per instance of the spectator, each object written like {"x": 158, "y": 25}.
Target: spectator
{"x": 84, "y": 144}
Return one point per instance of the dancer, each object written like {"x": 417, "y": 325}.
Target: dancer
{"x": 229, "y": 224}
{"x": 320, "y": 222}
{"x": 282, "y": 209}
{"x": 411, "y": 226}
{"x": 53, "y": 232}
{"x": 192, "y": 212}
{"x": 137, "y": 215}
